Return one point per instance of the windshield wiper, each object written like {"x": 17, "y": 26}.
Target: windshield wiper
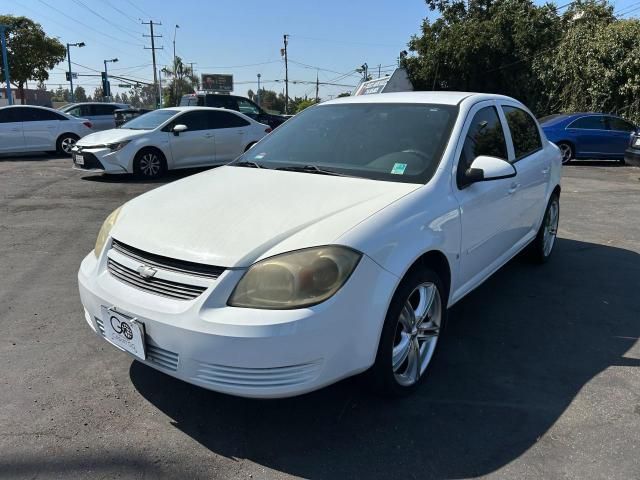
{"x": 311, "y": 169}
{"x": 247, "y": 163}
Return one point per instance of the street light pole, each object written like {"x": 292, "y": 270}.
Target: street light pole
{"x": 259, "y": 90}
{"x": 107, "y": 89}
{"x": 5, "y": 62}
{"x": 79, "y": 44}
{"x": 175, "y": 67}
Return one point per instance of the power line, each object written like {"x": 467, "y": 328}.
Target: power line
{"x": 239, "y": 66}
{"x": 345, "y": 42}
{"x": 82, "y": 4}
{"x": 124, "y": 14}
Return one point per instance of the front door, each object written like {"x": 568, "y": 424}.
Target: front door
{"x": 11, "y": 136}
{"x": 195, "y": 146}
{"x": 487, "y": 208}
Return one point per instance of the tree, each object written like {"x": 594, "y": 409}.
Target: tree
{"x": 98, "y": 94}
{"x": 181, "y": 81}
{"x": 80, "y": 94}
{"x": 31, "y": 53}
{"x": 250, "y": 94}
{"x": 143, "y": 96}
{"x": 344, "y": 94}
{"x": 270, "y": 100}
{"x": 304, "y": 104}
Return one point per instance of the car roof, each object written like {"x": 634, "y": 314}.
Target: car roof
{"x": 187, "y": 109}
{"x": 31, "y": 106}
{"x": 436, "y": 97}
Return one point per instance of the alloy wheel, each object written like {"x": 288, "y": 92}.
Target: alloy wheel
{"x": 150, "y": 164}
{"x": 67, "y": 144}
{"x": 550, "y": 226}
{"x": 566, "y": 152}
{"x": 416, "y": 333}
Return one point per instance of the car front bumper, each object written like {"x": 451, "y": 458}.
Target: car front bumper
{"x": 632, "y": 157}
{"x": 249, "y": 352}
{"x": 103, "y": 159}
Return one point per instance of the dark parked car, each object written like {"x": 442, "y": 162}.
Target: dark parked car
{"x": 632, "y": 154}
{"x": 588, "y": 135}
{"x": 123, "y": 115}
{"x": 232, "y": 102}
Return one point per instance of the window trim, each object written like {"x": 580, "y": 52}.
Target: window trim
{"x": 536, "y": 123}
{"x": 590, "y": 129}
{"x": 607, "y": 119}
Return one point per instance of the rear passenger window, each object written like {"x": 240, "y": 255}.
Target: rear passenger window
{"x": 592, "y": 122}
{"x": 103, "y": 109}
{"x": 524, "y": 131}
{"x": 225, "y": 120}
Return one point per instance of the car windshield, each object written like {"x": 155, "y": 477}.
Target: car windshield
{"x": 382, "y": 141}
{"x": 151, "y": 120}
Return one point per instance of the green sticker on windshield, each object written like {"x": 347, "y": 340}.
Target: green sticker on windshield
{"x": 399, "y": 168}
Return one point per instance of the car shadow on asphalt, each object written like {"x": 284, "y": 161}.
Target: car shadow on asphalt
{"x": 515, "y": 354}
{"x": 170, "y": 176}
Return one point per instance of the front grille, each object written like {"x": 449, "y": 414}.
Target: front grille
{"x": 166, "y": 263}
{"x": 166, "y": 288}
{"x": 91, "y": 162}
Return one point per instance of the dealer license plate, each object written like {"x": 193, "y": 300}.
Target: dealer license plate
{"x": 79, "y": 159}
{"x": 124, "y": 332}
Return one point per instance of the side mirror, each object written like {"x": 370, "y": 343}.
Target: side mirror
{"x": 179, "y": 128}
{"x": 485, "y": 168}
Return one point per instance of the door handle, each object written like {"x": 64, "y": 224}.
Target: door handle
{"x": 546, "y": 170}
{"x": 513, "y": 188}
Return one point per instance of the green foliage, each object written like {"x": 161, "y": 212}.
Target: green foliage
{"x": 304, "y": 104}
{"x": 179, "y": 80}
{"x": 584, "y": 59}
{"x": 30, "y": 52}
{"x": 80, "y": 94}
{"x": 344, "y": 94}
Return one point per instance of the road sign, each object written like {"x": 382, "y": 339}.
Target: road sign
{"x": 74, "y": 75}
{"x": 124, "y": 85}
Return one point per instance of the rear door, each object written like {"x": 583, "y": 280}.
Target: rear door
{"x": 621, "y": 131}
{"x": 40, "y": 128}
{"x": 229, "y": 132}
{"x": 533, "y": 167}
{"x": 195, "y": 146}
{"x": 11, "y": 136}
{"x": 487, "y": 208}
{"x": 592, "y": 136}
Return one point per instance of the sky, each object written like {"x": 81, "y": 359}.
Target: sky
{"x": 243, "y": 38}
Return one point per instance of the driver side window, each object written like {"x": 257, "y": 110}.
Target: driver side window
{"x": 244, "y": 106}
{"x": 484, "y": 137}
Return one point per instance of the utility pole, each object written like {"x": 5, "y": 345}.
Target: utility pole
{"x": 317, "y": 86}
{"x": 175, "y": 67}
{"x": 5, "y": 62}
{"x": 107, "y": 88}
{"x": 80, "y": 44}
{"x": 258, "y": 102}
{"x": 286, "y": 76}
{"x": 379, "y": 66}
{"x": 153, "y": 55}
{"x": 160, "y": 86}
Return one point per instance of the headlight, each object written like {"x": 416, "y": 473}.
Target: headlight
{"x": 295, "y": 279}
{"x": 114, "y": 147}
{"x": 103, "y": 234}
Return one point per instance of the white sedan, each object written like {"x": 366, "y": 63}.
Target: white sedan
{"x": 336, "y": 245}
{"x": 27, "y": 128}
{"x": 169, "y": 138}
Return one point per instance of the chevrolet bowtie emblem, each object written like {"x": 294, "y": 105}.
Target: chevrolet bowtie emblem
{"x": 146, "y": 271}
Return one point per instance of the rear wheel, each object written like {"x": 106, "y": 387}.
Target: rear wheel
{"x": 149, "y": 163}
{"x": 410, "y": 333}
{"x": 567, "y": 152}
{"x": 542, "y": 246}
{"x": 65, "y": 143}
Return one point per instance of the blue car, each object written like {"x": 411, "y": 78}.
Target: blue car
{"x": 588, "y": 135}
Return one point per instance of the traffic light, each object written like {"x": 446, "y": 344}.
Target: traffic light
{"x": 106, "y": 87}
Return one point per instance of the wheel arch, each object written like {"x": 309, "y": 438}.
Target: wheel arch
{"x": 145, "y": 148}
{"x": 438, "y": 262}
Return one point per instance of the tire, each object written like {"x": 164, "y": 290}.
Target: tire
{"x": 149, "y": 163}
{"x": 65, "y": 143}
{"x": 567, "y": 152}
{"x": 398, "y": 370}
{"x": 542, "y": 246}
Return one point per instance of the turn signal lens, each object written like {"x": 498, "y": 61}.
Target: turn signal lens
{"x": 105, "y": 230}
{"x": 295, "y": 279}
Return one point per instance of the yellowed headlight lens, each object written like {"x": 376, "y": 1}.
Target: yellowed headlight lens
{"x": 103, "y": 234}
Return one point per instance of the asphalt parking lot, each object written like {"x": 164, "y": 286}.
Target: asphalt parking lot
{"x": 538, "y": 375}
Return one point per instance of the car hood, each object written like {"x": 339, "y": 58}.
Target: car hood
{"x": 113, "y": 135}
{"x": 233, "y": 216}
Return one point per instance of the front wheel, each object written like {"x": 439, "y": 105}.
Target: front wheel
{"x": 149, "y": 164}
{"x": 410, "y": 334}
{"x": 542, "y": 246}
{"x": 567, "y": 152}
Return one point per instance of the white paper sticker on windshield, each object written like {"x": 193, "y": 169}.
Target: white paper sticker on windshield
{"x": 260, "y": 156}
{"x": 399, "y": 168}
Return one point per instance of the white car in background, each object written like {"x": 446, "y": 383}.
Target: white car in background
{"x": 27, "y": 128}
{"x": 170, "y": 138}
{"x": 101, "y": 115}
{"x": 335, "y": 245}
